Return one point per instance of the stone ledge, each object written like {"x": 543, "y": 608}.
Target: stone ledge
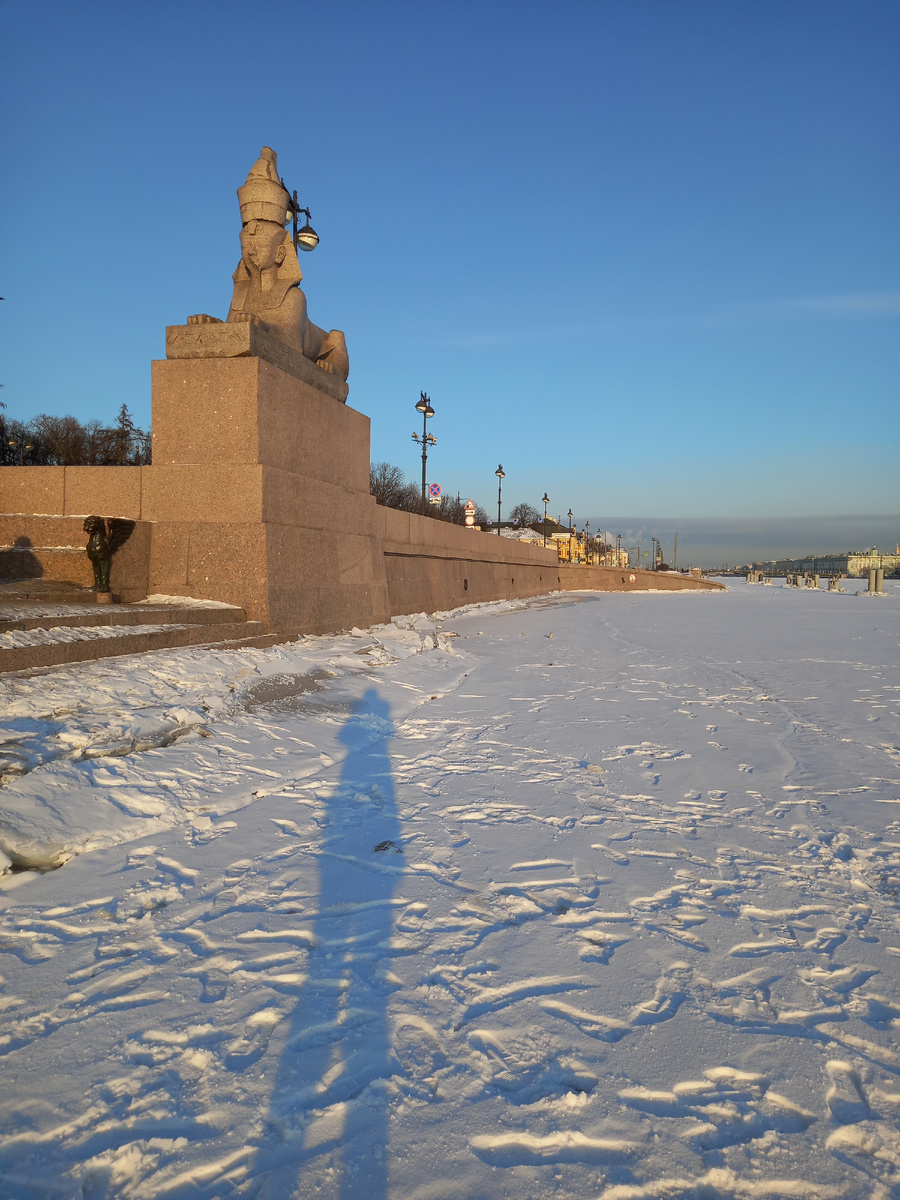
{"x": 54, "y": 654}
{"x": 251, "y": 339}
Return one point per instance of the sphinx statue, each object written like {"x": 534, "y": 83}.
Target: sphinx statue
{"x": 267, "y": 277}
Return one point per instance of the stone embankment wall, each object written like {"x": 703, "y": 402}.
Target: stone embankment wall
{"x": 614, "y": 579}
{"x": 431, "y": 566}
{"x": 425, "y": 565}
{"x": 258, "y": 496}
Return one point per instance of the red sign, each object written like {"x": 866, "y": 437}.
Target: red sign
{"x": 632, "y": 578}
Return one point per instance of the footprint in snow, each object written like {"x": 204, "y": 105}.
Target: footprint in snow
{"x": 600, "y": 945}
{"x": 185, "y": 875}
{"x": 671, "y": 992}
{"x": 877, "y": 1011}
{"x": 528, "y": 1064}
{"x": 616, "y": 855}
{"x": 727, "y": 1107}
{"x": 202, "y": 830}
{"x": 838, "y": 979}
{"x": 824, "y": 941}
{"x": 566, "y": 1146}
{"x": 418, "y": 1049}
{"x": 605, "y": 1029}
{"x": 245, "y": 1050}
{"x": 214, "y": 986}
{"x": 845, "y": 1098}
{"x": 763, "y": 947}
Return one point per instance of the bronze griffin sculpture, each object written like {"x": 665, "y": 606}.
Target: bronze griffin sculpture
{"x": 107, "y": 535}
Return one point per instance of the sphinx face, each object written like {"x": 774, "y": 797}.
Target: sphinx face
{"x": 262, "y": 245}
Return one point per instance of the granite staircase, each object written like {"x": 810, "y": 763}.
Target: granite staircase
{"x": 48, "y": 623}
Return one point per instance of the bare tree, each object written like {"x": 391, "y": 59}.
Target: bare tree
{"x": 49, "y": 440}
{"x": 144, "y": 447}
{"x": 62, "y": 440}
{"x": 390, "y": 487}
{"x": 386, "y": 483}
{"x": 525, "y": 514}
{"x": 17, "y": 446}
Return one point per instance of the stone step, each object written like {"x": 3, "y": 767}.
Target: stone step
{"x": 44, "y": 591}
{"x": 15, "y": 616}
{"x": 232, "y": 634}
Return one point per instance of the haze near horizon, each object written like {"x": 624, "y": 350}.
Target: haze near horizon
{"x": 711, "y": 542}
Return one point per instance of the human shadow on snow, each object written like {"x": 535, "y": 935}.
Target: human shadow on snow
{"x": 328, "y": 1112}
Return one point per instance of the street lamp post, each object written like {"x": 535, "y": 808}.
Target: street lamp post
{"x": 501, "y": 475}
{"x": 545, "y": 500}
{"x": 22, "y": 448}
{"x": 427, "y": 439}
{"x": 306, "y": 237}
{"x": 588, "y": 557}
{"x": 618, "y": 549}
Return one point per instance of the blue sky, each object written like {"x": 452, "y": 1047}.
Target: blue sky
{"x": 644, "y": 253}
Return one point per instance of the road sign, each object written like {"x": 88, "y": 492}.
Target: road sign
{"x": 434, "y": 491}
{"x": 470, "y": 518}
{"x": 470, "y": 506}
{"x": 632, "y": 578}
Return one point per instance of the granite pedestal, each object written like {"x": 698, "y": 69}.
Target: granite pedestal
{"x": 259, "y": 491}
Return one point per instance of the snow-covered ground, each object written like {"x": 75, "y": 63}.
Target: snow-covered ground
{"x": 598, "y": 898}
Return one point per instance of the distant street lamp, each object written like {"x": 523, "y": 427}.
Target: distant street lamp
{"x": 618, "y": 549}
{"x": 22, "y": 449}
{"x": 427, "y": 439}
{"x": 545, "y": 500}
{"x": 501, "y": 475}
{"x": 587, "y": 538}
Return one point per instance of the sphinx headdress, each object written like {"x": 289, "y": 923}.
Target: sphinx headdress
{"x": 264, "y": 197}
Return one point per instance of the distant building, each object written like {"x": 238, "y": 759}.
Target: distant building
{"x": 518, "y": 534}
{"x": 853, "y": 563}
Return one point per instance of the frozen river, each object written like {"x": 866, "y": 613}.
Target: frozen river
{"x": 592, "y": 896}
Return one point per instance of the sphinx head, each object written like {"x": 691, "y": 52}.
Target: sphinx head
{"x": 264, "y": 245}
